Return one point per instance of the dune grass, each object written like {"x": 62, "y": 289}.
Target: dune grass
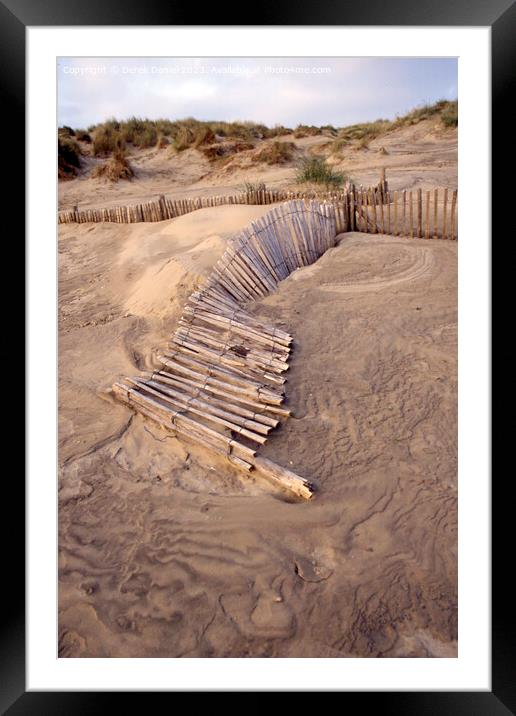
{"x": 314, "y": 170}
{"x": 248, "y": 187}
{"x": 220, "y": 140}
{"x": 450, "y": 115}
{"x": 115, "y": 168}
{"x": 276, "y": 153}
{"x": 68, "y": 156}
{"x": 360, "y": 135}
{"x": 305, "y": 130}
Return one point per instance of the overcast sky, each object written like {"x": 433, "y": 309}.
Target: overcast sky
{"x": 288, "y": 91}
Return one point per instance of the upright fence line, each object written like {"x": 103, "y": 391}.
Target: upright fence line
{"x": 368, "y": 209}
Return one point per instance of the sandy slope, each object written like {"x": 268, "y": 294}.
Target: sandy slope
{"x": 423, "y": 155}
{"x": 167, "y": 551}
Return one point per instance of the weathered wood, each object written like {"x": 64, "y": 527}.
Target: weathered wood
{"x": 427, "y": 215}
{"x": 411, "y": 216}
{"x": 445, "y": 206}
{"x": 436, "y": 226}
{"x": 284, "y": 478}
{"x": 453, "y": 234}
{"x": 192, "y": 405}
{"x": 372, "y": 196}
{"x": 419, "y": 214}
{"x": 175, "y": 418}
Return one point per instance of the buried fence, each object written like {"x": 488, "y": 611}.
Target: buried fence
{"x": 428, "y": 214}
{"x": 220, "y": 380}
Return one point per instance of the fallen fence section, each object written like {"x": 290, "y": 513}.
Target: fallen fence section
{"x": 220, "y": 381}
{"x": 429, "y": 214}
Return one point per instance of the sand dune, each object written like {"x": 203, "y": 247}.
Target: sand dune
{"x": 419, "y": 156}
{"x": 165, "y": 550}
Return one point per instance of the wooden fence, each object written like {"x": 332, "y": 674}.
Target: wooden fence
{"x": 171, "y": 208}
{"x": 424, "y": 214}
{"x": 428, "y": 214}
{"x": 221, "y": 380}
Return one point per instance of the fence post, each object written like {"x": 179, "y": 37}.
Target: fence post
{"x": 411, "y": 215}
{"x": 427, "y": 215}
{"x": 436, "y": 202}
{"x": 445, "y": 206}
{"x": 453, "y": 207}
{"x": 419, "y": 214}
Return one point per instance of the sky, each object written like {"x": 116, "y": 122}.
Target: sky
{"x": 287, "y": 91}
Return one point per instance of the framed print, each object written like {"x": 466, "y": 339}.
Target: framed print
{"x": 261, "y": 350}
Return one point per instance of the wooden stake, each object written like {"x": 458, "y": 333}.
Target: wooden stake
{"x": 411, "y": 216}
{"x": 436, "y": 227}
{"x": 404, "y": 215}
{"x": 453, "y": 234}
{"x": 427, "y": 215}
{"x": 419, "y": 214}
{"x": 445, "y": 206}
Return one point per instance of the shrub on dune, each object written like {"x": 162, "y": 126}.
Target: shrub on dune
{"x": 83, "y": 136}
{"x": 305, "y": 130}
{"x": 107, "y": 140}
{"x": 68, "y": 156}
{"x": 314, "y": 170}
{"x": 450, "y": 115}
{"x": 183, "y": 139}
{"x": 276, "y": 153}
{"x": 115, "y": 168}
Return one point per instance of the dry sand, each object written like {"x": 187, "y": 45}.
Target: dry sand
{"x": 168, "y": 551}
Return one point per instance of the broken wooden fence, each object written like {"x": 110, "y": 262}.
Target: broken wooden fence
{"x": 221, "y": 376}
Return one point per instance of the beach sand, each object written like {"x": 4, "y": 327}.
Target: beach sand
{"x": 168, "y": 551}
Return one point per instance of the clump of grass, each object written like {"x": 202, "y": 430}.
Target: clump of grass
{"x": 203, "y": 135}
{"x": 314, "y": 170}
{"x": 183, "y": 139}
{"x": 276, "y": 153}
{"x": 115, "y": 168}
{"x": 338, "y": 145}
{"x": 278, "y": 131}
{"x": 305, "y": 130}
{"x": 450, "y": 115}
{"x": 225, "y": 150}
{"x": 248, "y": 187}
{"x": 365, "y": 132}
{"x": 107, "y": 140}
{"x": 83, "y": 136}
{"x": 362, "y": 134}
{"x": 162, "y": 142}
{"x": 68, "y": 156}
{"x": 65, "y": 131}
{"x": 139, "y": 132}
{"x": 240, "y": 130}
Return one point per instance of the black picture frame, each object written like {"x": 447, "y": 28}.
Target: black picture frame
{"x": 15, "y": 16}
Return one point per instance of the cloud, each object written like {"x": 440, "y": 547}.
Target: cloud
{"x": 271, "y": 90}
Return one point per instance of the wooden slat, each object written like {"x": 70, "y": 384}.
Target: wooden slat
{"x": 445, "y": 206}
